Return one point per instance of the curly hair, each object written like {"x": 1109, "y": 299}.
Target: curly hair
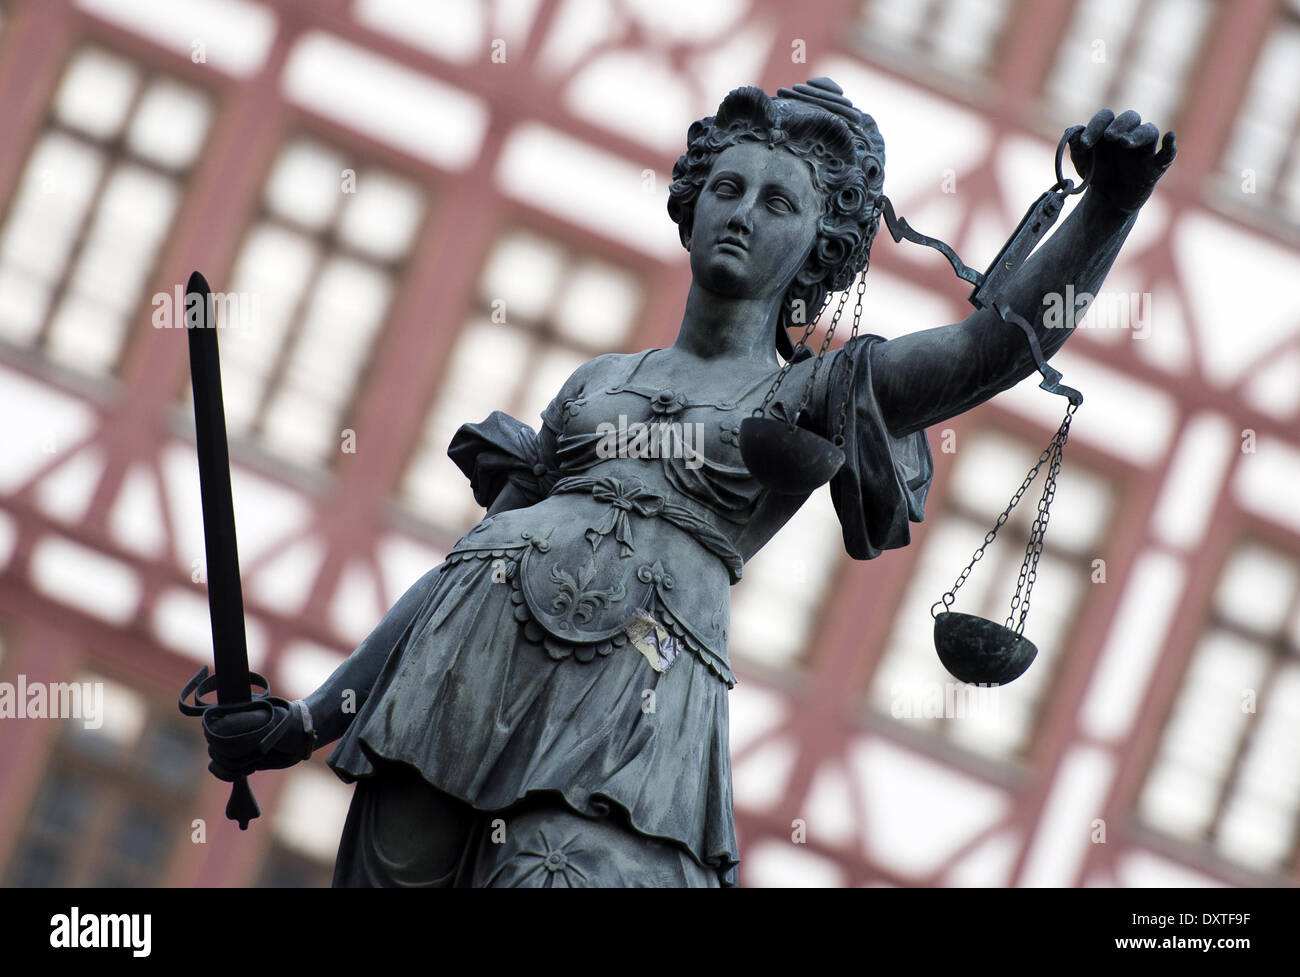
{"x": 846, "y": 154}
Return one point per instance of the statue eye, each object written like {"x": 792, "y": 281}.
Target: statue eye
{"x": 780, "y": 204}
{"x": 724, "y": 188}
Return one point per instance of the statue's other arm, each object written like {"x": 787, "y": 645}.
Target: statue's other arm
{"x": 350, "y": 684}
{"x": 926, "y": 377}
{"x": 352, "y": 681}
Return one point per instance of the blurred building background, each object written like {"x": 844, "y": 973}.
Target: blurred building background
{"x": 440, "y": 208}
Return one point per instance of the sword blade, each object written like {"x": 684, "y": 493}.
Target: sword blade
{"x": 225, "y": 594}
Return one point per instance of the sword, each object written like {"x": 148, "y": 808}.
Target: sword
{"x": 233, "y": 681}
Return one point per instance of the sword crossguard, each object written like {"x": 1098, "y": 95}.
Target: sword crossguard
{"x": 204, "y": 682}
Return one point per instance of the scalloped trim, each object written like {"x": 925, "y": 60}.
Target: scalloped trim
{"x": 558, "y": 649}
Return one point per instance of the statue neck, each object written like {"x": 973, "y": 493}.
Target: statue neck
{"x": 715, "y": 326}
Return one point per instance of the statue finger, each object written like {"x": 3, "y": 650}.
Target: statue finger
{"x": 233, "y": 761}
{"x": 1144, "y": 136}
{"x": 1168, "y": 150}
{"x": 1122, "y": 124}
{"x": 1096, "y": 126}
{"x": 1079, "y": 154}
{"x": 223, "y": 772}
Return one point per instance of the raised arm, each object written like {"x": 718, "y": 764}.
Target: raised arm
{"x": 926, "y": 377}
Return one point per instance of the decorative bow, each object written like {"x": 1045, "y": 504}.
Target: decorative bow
{"x": 622, "y": 499}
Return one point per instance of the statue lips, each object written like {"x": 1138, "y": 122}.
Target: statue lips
{"x": 731, "y": 241}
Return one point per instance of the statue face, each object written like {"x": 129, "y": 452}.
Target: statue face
{"x": 755, "y": 222}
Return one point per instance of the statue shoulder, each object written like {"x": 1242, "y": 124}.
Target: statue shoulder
{"x": 583, "y": 381}
{"x": 607, "y": 368}
{"x": 594, "y": 369}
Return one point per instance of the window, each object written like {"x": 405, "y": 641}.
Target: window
{"x": 543, "y": 310}
{"x": 956, "y": 36}
{"x": 308, "y": 824}
{"x": 313, "y": 282}
{"x": 285, "y": 868}
{"x": 911, "y": 683}
{"x": 1225, "y": 773}
{"x": 100, "y": 191}
{"x": 1261, "y": 163}
{"x": 1127, "y": 54}
{"x": 116, "y": 801}
{"x": 774, "y": 608}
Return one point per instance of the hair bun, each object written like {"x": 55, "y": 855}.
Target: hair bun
{"x": 825, "y": 94}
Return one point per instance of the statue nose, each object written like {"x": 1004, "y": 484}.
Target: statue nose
{"x": 738, "y": 221}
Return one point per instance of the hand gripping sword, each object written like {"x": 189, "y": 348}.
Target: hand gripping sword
{"x": 233, "y": 681}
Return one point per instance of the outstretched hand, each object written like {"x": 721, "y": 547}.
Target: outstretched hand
{"x": 1121, "y": 152}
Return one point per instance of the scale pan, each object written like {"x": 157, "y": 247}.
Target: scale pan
{"x": 980, "y": 652}
{"x": 791, "y": 461}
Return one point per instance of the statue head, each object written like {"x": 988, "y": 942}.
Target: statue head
{"x": 837, "y": 203}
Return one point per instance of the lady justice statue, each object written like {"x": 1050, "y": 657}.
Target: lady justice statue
{"x": 548, "y": 707}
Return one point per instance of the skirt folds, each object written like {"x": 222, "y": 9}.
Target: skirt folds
{"x": 492, "y": 719}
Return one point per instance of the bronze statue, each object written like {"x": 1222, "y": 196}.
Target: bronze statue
{"x": 548, "y": 707}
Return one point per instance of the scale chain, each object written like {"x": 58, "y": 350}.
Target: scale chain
{"x": 1038, "y": 531}
{"x": 861, "y": 280}
{"x": 838, "y": 439}
{"x": 821, "y": 353}
{"x": 1028, "y": 570}
{"x": 785, "y": 367}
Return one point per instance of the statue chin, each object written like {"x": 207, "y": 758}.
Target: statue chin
{"x": 722, "y": 275}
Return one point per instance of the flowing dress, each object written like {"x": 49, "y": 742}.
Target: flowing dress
{"x": 577, "y": 647}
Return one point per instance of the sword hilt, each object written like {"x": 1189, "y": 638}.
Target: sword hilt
{"x": 242, "y": 806}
